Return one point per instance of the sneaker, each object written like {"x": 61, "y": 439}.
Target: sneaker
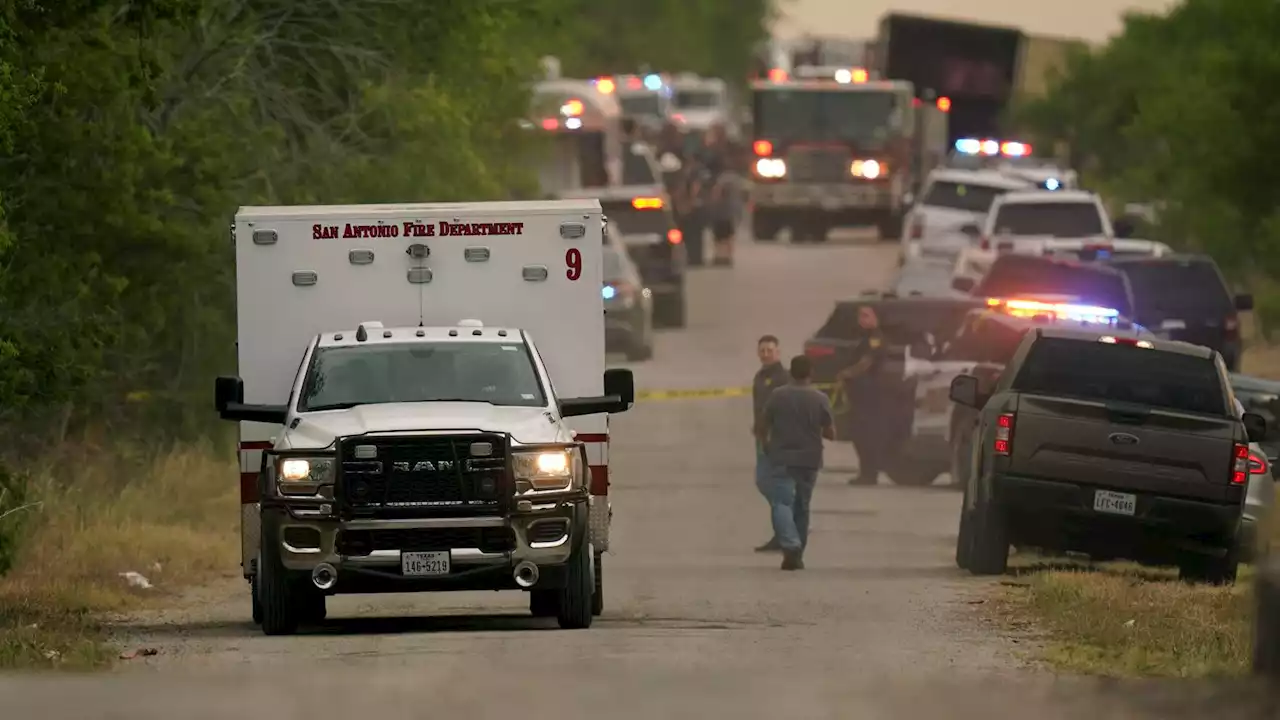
{"x": 771, "y": 546}
{"x": 792, "y": 560}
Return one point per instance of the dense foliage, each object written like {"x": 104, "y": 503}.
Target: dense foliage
{"x": 130, "y": 131}
{"x": 1180, "y": 110}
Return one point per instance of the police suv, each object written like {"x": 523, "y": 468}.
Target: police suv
{"x": 423, "y": 404}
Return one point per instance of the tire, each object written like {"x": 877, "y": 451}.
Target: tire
{"x": 959, "y": 463}
{"x": 669, "y": 310}
{"x": 573, "y": 610}
{"x": 964, "y": 536}
{"x": 1208, "y": 570}
{"x": 276, "y": 591}
{"x": 597, "y": 597}
{"x": 989, "y": 550}
{"x": 1266, "y": 628}
{"x": 890, "y": 228}
{"x": 909, "y": 473}
{"x": 257, "y": 604}
{"x": 763, "y": 230}
{"x": 639, "y": 349}
{"x": 312, "y": 606}
{"x": 544, "y": 603}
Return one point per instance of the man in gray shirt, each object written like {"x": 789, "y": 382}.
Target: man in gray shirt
{"x": 796, "y": 419}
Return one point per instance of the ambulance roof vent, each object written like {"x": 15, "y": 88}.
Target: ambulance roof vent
{"x": 471, "y": 323}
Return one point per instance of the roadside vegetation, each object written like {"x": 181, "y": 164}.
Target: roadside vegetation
{"x": 129, "y": 134}
{"x": 1170, "y": 112}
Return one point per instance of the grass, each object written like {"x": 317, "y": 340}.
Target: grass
{"x": 1120, "y": 620}
{"x": 173, "y": 519}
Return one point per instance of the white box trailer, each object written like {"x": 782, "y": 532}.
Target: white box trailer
{"x": 423, "y": 403}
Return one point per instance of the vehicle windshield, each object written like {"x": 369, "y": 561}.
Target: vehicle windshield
{"x": 636, "y": 169}
{"x": 1177, "y": 287}
{"x": 1109, "y": 372}
{"x": 962, "y": 196}
{"x": 485, "y": 372}
{"x": 985, "y": 339}
{"x": 849, "y": 115}
{"x": 1060, "y": 219}
{"x": 641, "y": 104}
{"x": 1028, "y": 277}
{"x": 697, "y": 99}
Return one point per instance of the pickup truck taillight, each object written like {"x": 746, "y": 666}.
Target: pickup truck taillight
{"x": 1257, "y": 466}
{"x": 675, "y": 236}
{"x": 1240, "y": 465}
{"x": 1004, "y": 434}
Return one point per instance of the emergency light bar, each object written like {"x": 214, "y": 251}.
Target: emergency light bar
{"x": 992, "y": 148}
{"x": 1055, "y": 311}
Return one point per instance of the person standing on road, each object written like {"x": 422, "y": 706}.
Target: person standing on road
{"x": 716, "y": 192}
{"x": 796, "y": 419}
{"x": 769, "y": 377}
{"x": 864, "y": 390}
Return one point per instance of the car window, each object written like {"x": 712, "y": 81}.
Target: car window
{"x": 613, "y": 264}
{"x": 636, "y": 169}
{"x": 625, "y": 220}
{"x": 697, "y": 99}
{"x": 962, "y": 196}
{"x": 985, "y": 340}
{"x": 842, "y": 324}
{"x": 1101, "y": 371}
{"x": 1060, "y": 219}
{"x": 1178, "y": 286}
{"x": 1014, "y": 276}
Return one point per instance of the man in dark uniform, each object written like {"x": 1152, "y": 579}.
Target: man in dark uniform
{"x": 769, "y": 377}
{"x": 865, "y": 399}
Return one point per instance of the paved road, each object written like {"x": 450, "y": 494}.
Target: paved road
{"x": 879, "y": 625}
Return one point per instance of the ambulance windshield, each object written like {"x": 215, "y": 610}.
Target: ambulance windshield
{"x": 485, "y": 372}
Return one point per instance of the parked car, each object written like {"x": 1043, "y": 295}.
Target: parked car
{"x": 628, "y": 305}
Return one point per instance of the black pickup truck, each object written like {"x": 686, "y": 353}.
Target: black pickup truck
{"x": 1111, "y": 444}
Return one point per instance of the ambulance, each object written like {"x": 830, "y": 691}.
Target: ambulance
{"x": 423, "y": 404}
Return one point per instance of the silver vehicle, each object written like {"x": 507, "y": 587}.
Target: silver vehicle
{"x": 628, "y": 305}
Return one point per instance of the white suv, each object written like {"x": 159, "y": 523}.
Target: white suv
{"x": 952, "y": 199}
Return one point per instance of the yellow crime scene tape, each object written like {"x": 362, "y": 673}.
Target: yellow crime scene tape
{"x": 706, "y": 393}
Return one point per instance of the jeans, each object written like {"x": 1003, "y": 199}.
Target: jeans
{"x": 790, "y": 493}
{"x": 764, "y": 475}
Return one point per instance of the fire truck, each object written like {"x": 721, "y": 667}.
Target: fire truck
{"x": 838, "y": 147}
{"x": 583, "y": 128}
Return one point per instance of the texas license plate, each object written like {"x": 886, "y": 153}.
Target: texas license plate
{"x": 1114, "y": 503}
{"x": 419, "y": 564}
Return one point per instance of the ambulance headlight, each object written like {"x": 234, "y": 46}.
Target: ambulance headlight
{"x": 544, "y": 469}
{"x": 303, "y": 476}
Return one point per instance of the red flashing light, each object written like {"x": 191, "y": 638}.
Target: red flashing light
{"x": 674, "y": 236}
{"x": 777, "y": 75}
{"x": 762, "y": 148}
{"x": 550, "y": 124}
{"x": 944, "y": 104}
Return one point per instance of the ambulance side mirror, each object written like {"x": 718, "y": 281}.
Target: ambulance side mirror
{"x": 228, "y": 399}
{"x": 619, "y": 395}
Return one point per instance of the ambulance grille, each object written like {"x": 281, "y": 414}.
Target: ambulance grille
{"x": 818, "y": 165}
{"x": 423, "y": 476}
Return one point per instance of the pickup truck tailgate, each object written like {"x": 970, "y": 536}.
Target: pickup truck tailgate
{"x": 1123, "y": 446}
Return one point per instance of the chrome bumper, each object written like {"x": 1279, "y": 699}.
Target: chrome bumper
{"x": 462, "y": 558}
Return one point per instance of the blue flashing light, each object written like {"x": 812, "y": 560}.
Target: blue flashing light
{"x": 1052, "y": 184}
{"x": 969, "y": 146}
{"x": 608, "y": 292}
{"x": 653, "y": 82}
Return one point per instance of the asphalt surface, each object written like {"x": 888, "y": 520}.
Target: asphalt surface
{"x": 880, "y": 624}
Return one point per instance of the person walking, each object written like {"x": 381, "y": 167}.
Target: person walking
{"x": 769, "y": 377}
{"x": 865, "y": 399}
{"x": 796, "y": 419}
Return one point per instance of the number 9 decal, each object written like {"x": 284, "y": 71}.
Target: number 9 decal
{"x": 573, "y": 263}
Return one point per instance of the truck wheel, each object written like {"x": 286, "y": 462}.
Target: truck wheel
{"x": 312, "y": 606}
{"x": 1266, "y": 628}
{"x": 544, "y": 603}
{"x": 597, "y": 597}
{"x": 989, "y": 551}
{"x": 276, "y": 591}
{"x": 639, "y": 348}
{"x": 574, "y": 606}
{"x": 257, "y": 604}
{"x": 763, "y": 230}
{"x": 891, "y": 228}
{"x": 964, "y": 539}
{"x": 1211, "y": 570}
